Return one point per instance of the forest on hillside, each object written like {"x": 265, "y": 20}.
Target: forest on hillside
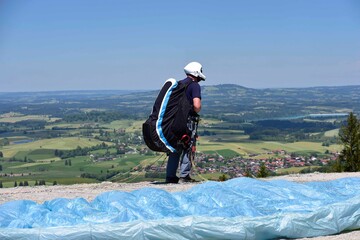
{"x": 231, "y": 103}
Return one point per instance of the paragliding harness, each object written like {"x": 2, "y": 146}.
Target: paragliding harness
{"x": 172, "y": 124}
{"x": 189, "y": 140}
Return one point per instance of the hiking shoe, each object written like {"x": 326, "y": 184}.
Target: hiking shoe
{"x": 186, "y": 179}
{"x": 172, "y": 180}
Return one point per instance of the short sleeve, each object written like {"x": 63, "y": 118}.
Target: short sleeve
{"x": 195, "y": 91}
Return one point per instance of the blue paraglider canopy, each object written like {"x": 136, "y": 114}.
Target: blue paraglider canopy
{"x": 241, "y": 208}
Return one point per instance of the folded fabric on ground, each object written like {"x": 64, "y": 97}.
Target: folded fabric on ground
{"x": 241, "y": 208}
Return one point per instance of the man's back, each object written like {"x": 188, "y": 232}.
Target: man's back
{"x": 193, "y": 91}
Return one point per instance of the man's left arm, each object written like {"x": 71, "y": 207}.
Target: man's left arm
{"x": 197, "y": 104}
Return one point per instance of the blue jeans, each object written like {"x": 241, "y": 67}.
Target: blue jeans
{"x": 173, "y": 164}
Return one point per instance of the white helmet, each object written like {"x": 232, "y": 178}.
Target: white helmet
{"x": 194, "y": 69}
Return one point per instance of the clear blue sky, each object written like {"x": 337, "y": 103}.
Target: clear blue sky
{"x": 138, "y": 44}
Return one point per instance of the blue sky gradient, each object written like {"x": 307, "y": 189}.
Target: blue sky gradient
{"x": 138, "y": 44}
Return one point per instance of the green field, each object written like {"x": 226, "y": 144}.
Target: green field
{"x": 245, "y": 148}
{"x": 128, "y": 125}
{"x": 13, "y": 118}
{"x": 226, "y": 153}
{"x": 50, "y": 168}
{"x": 332, "y": 133}
{"x": 292, "y": 170}
{"x": 36, "y": 160}
{"x": 63, "y": 125}
{"x": 54, "y": 143}
{"x": 64, "y": 174}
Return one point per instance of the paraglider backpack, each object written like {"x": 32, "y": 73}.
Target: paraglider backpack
{"x": 167, "y": 123}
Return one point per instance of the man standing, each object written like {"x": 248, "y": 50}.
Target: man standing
{"x": 194, "y": 75}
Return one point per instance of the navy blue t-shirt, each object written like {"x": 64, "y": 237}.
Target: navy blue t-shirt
{"x": 193, "y": 90}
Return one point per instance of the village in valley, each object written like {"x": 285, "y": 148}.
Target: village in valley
{"x": 97, "y": 136}
{"x": 279, "y": 162}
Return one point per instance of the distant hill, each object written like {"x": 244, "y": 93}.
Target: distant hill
{"x": 226, "y": 101}
{"x": 248, "y": 103}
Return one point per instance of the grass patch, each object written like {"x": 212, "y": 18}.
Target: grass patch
{"x": 210, "y": 152}
{"x": 8, "y": 183}
{"x": 52, "y": 144}
{"x": 103, "y": 151}
{"x": 64, "y": 125}
{"x": 227, "y": 153}
{"x": 262, "y": 147}
{"x": 292, "y": 170}
{"x": 128, "y": 125}
{"x": 18, "y": 118}
{"x": 332, "y": 133}
{"x": 27, "y": 165}
{"x": 37, "y": 154}
{"x": 208, "y": 176}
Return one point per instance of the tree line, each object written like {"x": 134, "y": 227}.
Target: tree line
{"x": 94, "y": 116}
{"x": 79, "y": 151}
{"x": 26, "y": 183}
{"x": 285, "y": 130}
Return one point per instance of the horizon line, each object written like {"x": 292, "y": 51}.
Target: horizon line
{"x": 145, "y": 90}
